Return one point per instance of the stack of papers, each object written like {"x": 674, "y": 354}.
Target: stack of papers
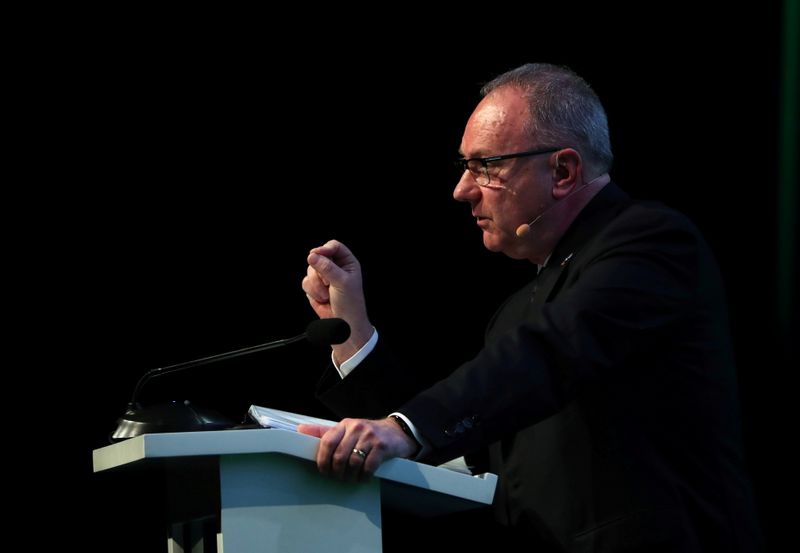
{"x": 275, "y": 418}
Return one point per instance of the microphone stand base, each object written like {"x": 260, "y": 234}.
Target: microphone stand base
{"x": 175, "y": 416}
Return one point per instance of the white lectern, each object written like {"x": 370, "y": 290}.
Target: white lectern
{"x": 270, "y": 497}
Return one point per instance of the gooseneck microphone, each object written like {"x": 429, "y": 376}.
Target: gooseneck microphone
{"x": 525, "y": 228}
{"x": 322, "y": 332}
{"x": 172, "y": 417}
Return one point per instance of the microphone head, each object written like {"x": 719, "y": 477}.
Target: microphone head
{"x": 523, "y": 230}
{"x": 325, "y": 332}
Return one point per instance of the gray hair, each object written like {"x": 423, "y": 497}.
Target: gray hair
{"x": 564, "y": 111}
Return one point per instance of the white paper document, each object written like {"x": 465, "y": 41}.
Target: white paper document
{"x": 275, "y": 418}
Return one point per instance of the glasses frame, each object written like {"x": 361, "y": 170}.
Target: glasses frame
{"x": 463, "y": 163}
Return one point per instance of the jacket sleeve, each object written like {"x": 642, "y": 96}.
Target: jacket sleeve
{"x": 632, "y": 288}
{"x": 375, "y": 388}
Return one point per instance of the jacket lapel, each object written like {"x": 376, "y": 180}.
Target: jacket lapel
{"x": 547, "y": 280}
{"x": 604, "y": 206}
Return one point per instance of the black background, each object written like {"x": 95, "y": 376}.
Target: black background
{"x": 209, "y": 157}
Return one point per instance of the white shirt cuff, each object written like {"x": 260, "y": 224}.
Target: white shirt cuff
{"x": 350, "y": 364}
{"x": 426, "y": 447}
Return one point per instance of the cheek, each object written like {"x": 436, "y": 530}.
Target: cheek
{"x": 506, "y": 212}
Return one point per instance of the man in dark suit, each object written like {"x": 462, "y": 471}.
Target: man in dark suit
{"x": 606, "y": 389}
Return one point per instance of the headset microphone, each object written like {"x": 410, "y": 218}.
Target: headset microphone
{"x": 525, "y": 228}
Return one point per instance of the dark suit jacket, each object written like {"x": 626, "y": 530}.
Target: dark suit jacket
{"x": 606, "y": 389}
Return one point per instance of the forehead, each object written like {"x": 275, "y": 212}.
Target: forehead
{"x": 497, "y": 124}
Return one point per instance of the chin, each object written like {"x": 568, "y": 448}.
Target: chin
{"x": 499, "y": 244}
{"x": 493, "y": 243}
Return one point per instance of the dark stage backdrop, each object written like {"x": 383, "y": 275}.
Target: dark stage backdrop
{"x": 218, "y": 159}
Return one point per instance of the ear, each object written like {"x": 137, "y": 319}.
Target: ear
{"x": 567, "y": 167}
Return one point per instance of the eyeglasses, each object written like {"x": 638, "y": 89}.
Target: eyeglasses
{"x": 478, "y": 167}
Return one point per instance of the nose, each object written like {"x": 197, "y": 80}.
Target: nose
{"x": 467, "y": 190}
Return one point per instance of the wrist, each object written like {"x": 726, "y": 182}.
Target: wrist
{"x": 407, "y": 431}
{"x": 358, "y": 339}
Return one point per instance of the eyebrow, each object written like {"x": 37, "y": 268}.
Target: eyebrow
{"x": 479, "y": 155}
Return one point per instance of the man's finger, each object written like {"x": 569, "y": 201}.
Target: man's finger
{"x": 328, "y": 444}
{"x": 327, "y": 270}
{"x": 316, "y": 430}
